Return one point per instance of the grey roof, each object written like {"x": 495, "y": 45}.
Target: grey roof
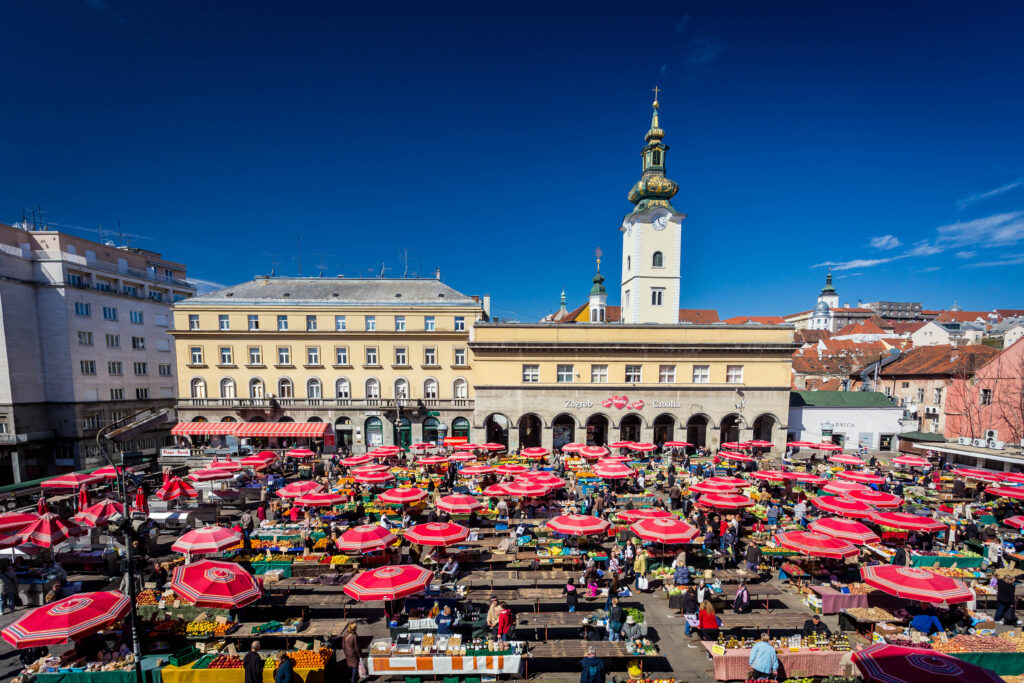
{"x": 321, "y": 290}
{"x": 1006, "y": 324}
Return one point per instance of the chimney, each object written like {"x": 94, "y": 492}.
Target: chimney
{"x": 437, "y": 273}
{"x": 487, "y": 306}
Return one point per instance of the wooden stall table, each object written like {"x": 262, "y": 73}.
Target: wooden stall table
{"x": 149, "y": 668}
{"x": 576, "y": 649}
{"x": 536, "y": 595}
{"x": 734, "y": 665}
{"x": 858, "y": 620}
{"x": 186, "y": 674}
{"x": 315, "y": 628}
{"x": 764, "y": 590}
{"x": 779, "y": 621}
{"x": 549, "y": 620}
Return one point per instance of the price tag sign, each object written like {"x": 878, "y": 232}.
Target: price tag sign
{"x": 717, "y": 649}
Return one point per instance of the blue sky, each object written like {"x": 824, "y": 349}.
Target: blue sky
{"x": 497, "y": 142}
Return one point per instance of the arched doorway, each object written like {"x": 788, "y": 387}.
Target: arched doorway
{"x": 563, "y": 430}
{"x": 529, "y": 431}
{"x": 343, "y": 432}
{"x": 227, "y": 419}
{"x": 597, "y": 430}
{"x": 763, "y": 426}
{"x": 374, "y": 432}
{"x": 697, "y": 432}
{"x": 664, "y": 428}
{"x": 730, "y": 428}
{"x": 629, "y": 428}
{"x": 496, "y": 429}
{"x": 460, "y": 428}
{"x": 430, "y": 426}
{"x": 403, "y": 432}
{"x": 315, "y": 419}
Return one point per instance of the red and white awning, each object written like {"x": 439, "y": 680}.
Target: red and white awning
{"x": 204, "y": 428}
{"x": 292, "y": 429}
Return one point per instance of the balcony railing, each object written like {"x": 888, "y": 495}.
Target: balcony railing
{"x": 358, "y": 403}
{"x": 152, "y": 276}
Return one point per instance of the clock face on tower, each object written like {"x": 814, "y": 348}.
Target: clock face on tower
{"x": 660, "y": 222}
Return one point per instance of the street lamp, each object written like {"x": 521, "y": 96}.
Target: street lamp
{"x": 120, "y": 431}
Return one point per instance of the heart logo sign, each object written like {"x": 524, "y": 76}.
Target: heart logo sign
{"x": 637, "y": 404}
{"x": 607, "y": 403}
{"x": 619, "y": 402}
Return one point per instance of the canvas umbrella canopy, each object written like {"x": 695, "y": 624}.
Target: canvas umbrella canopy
{"x": 422, "y": 446}
{"x": 49, "y": 530}
{"x": 816, "y": 544}
{"x": 644, "y": 513}
{"x": 432, "y": 460}
{"x": 846, "y": 529}
{"x": 12, "y": 521}
{"x": 299, "y": 488}
{"x": 402, "y": 495}
{"x": 620, "y": 444}
{"x": 374, "y": 477}
{"x": 572, "y": 447}
{"x": 389, "y": 583}
{"x": 614, "y": 458}
{"x": 511, "y": 469}
{"x": 664, "y": 530}
{"x": 861, "y": 477}
{"x": 907, "y": 521}
{"x": 1013, "y": 477}
{"x": 983, "y": 475}
{"x": 734, "y": 482}
{"x": 769, "y": 475}
{"x": 320, "y": 499}
{"x": 806, "y": 478}
{"x": 884, "y": 663}
{"x": 228, "y": 464}
{"x": 176, "y": 488}
{"x": 489, "y": 446}
{"x": 437, "y": 533}
{"x": 459, "y": 504}
{"x": 727, "y": 501}
{"x": 760, "y": 443}
{"x": 356, "y": 460}
{"x": 846, "y": 507}
{"x": 525, "y": 488}
{"x": 71, "y": 481}
{"x": 801, "y": 444}
{"x": 210, "y": 475}
{"x": 535, "y": 452}
{"x": 468, "y": 447}
{"x": 738, "y": 457}
{"x": 578, "y": 525}
{"x": 300, "y": 453}
{"x": 389, "y": 449}
{"x": 110, "y": 471}
{"x": 592, "y": 452}
{"x": 614, "y": 470}
{"x": 495, "y": 490}
{"x": 99, "y": 513}
{"x": 141, "y": 504}
{"x": 845, "y": 459}
{"x": 828, "y": 447}
{"x": 550, "y": 481}
{"x": 731, "y": 444}
{"x": 365, "y": 537}
{"x": 261, "y": 459}
{"x": 911, "y": 461}
{"x": 207, "y": 539}
{"x": 462, "y": 457}
{"x": 72, "y": 618}
{"x": 83, "y": 498}
{"x": 1017, "y": 521}
{"x": 678, "y": 444}
{"x": 643, "y": 447}
{"x": 370, "y": 469}
{"x": 878, "y": 499}
{"x": 916, "y": 583}
{"x": 475, "y": 470}
{"x": 1005, "y": 492}
{"x": 843, "y": 487}
{"x": 705, "y": 487}
{"x": 211, "y": 583}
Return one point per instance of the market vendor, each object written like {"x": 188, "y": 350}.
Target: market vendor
{"x": 445, "y": 620}
{"x": 815, "y": 626}
{"x": 926, "y": 621}
{"x": 631, "y": 629}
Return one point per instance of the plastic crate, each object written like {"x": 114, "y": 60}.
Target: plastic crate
{"x": 413, "y": 679}
{"x": 183, "y": 657}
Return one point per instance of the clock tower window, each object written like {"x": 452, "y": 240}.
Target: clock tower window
{"x": 658, "y": 260}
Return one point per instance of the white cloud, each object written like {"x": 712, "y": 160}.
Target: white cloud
{"x": 966, "y": 254}
{"x": 205, "y": 286}
{"x": 929, "y": 270}
{"x": 924, "y": 248}
{"x": 885, "y": 242}
{"x": 964, "y": 202}
{"x": 1006, "y": 260}
{"x": 855, "y": 263}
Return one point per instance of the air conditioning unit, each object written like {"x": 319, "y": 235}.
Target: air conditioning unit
{"x": 980, "y": 443}
{"x": 996, "y": 445}
{"x": 964, "y": 441}
{"x": 991, "y": 433}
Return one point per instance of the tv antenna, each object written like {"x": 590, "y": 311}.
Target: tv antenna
{"x": 298, "y": 249}
{"x": 403, "y": 256}
{"x": 273, "y": 263}
{"x": 383, "y": 269}
{"x": 323, "y": 263}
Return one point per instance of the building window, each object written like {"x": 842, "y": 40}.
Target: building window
{"x": 113, "y": 341}
{"x": 117, "y": 394}
{"x": 460, "y": 388}
{"x": 84, "y": 310}
{"x": 734, "y": 374}
{"x": 222, "y": 323}
{"x": 625, "y": 301}
{"x": 599, "y": 374}
{"x": 399, "y": 323}
{"x": 255, "y": 355}
{"x": 401, "y": 356}
{"x": 887, "y": 391}
{"x": 164, "y": 369}
{"x": 256, "y": 388}
{"x": 88, "y": 367}
{"x": 633, "y": 374}
{"x": 284, "y": 355}
{"x": 372, "y": 388}
{"x": 565, "y": 373}
{"x": 985, "y": 397}
{"x": 285, "y": 388}
{"x": 312, "y": 355}
{"x": 920, "y": 395}
{"x": 401, "y": 388}
{"x": 430, "y": 388}
{"x": 139, "y": 343}
{"x": 130, "y": 290}
{"x": 460, "y": 323}
{"x": 226, "y": 356}
{"x": 114, "y": 367}
{"x": 227, "y": 388}
{"x": 313, "y": 388}
{"x": 371, "y": 323}
{"x": 311, "y": 323}
{"x": 254, "y": 322}
{"x": 937, "y": 398}
{"x": 342, "y": 389}
{"x": 701, "y": 374}
{"x": 198, "y": 388}
{"x": 193, "y": 322}
{"x": 666, "y": 374}
{"x": 109, "y": 313}
{"x": 142, "y": 393}
{"x": 460, "y": 356}
{"x": 428, "y": 323}
{"x": 84, "y": 338}
{"x": 904, "y": 385}
{"x": 656, "y": 157}
{"x": 339, "y": 323}
{"x": 430, "y": 356}
{"x": 371, "y": 355}
{"x": 282, "y": 323}
{"x": 135, "y": 317}
{"x": 341, "y": 355}
{"x": 531, "y": 374}
{"x": 657, "y": 294}
{"x": 141, "y": 368}
{"x": 658, "y": 260}
{"x": 195, "y": 354}
{"x": 75, "y": 280}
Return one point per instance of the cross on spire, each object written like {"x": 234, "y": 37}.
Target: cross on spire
{"x": 656, "y": 90}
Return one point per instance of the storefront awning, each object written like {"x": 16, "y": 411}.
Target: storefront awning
{"x": 204, "y": 428}
{"x": 293, "y": 429}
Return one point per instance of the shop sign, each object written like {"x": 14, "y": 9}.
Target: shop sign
{"x": 371, "y": 413}
{"x": 174, "y": 452}
{"x": 621, "y": 403}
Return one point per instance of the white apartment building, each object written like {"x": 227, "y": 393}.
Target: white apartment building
{"x": 83, "y": 342}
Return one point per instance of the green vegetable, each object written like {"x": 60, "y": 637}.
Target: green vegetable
{"x": 637, "y": 615}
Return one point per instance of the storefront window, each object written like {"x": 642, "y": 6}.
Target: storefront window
{"x": 374, "y": 432}
{"x": 460, "y": 427}
{"x": 430, "y": 430}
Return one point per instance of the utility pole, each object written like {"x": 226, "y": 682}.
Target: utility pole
{"x": 299, "y": 240}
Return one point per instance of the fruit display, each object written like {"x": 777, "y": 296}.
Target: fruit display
{"x": 969, "y": 643}
{"x": 855, "y": 588}
{"x": 168, "y": 627}
{"x": 147, "y": 597}
{"x": 205, "y": 628}
{"x": 310, "y": 659}
{"x": 792, "y": 569}
{"x": 641, "y": 646}
{"x": 1014, "y": 637}
{"x": 773, "y": 551}
{"x": 869, "y": 614}
{"x": 225, "y": 662}
{"x": 958, "y": 572}
{"x": 907, "y": 641}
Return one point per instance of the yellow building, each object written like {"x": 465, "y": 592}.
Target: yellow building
{"x": 382, "y": 360}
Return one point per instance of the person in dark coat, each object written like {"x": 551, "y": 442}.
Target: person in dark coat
{"x": 350, "y": 648}
{"x": 592, "y": 669}
{"x": 285, "y": 668}
{"x": 253, "y": 664}
{"x": 1006, "y": 599}
{"x": 816, "y": 626}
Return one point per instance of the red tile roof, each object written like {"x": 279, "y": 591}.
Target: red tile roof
{"x": 872, "y": 325}
{"x": 907, "y": 326}
{"x": 810, "y": 336}
{"x": 838, "y": 357}
{"x": 1010, "y": 312}
{"x": 940, "y": 360}
{"x": 755, "y": 319}
{"x": 613, "y": 314}
{"x": 816, "y": 383}
{"x": 961, "y": 316}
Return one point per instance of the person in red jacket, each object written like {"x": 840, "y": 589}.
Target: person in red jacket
{"x": 707, "y": 621}
{"x": 504, "y": 622}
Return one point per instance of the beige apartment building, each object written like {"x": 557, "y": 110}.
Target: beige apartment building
{"x": 382, "y": 361}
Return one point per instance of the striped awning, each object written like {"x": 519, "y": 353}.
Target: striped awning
{"x": 294, "y": 429}
{"x": 204, "y": 428}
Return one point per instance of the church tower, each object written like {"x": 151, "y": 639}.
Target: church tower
{"x": 652, "y": 239}
{"x": 828, "y": 293}
{"x": 598, "y": 296}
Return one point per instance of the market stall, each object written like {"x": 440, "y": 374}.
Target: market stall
{"x": 797, "y": 655}
{"x": 431, "y": 654}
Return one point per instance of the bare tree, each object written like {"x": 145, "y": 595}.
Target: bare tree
{"x": 1008, "y": 402}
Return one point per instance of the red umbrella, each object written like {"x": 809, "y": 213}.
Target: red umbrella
{"x": 468, "y": 447}
{"x": 83, "y": 498}
{"x": 759, "y": 443}
{"x": 71, "y": 481}
{"x": 828, "y": 447}
{"x": 846, "y": 529}
{"x": 355, "y": 460}
{"x": 770, "y": 475}
{"x": 619, "y": 444}
{"x": 211, "y": 474}
{"x": 801, "y": 444}
{"x": 389, "y": 583}
{"x": 725, "y": 500}
{"x": 49, "y": 530}
{"x": 644, "y": 513}
{"x": 843, "y": 487}
{"x": 664, "y": 530}
{"x": 984, "y": 475}
{"x": 877, "y": 499}
{"x": 99, "y": 513}
{"x": 402, "y": 495}
{"x": 72, "y": 618}
{"x": 211, "y": 583}
{"x": 846, "y": 507}
{"x": 422, "y": 446}
{"x": 495, "y": 490}
{"x": 613, "y": 470}
{"x": 731, "y": 444}
{"x": 678, "y": 444}
{"x": 14, "y": 521}
{"x": 905, "y": 520}
{"x": 166, "y": 472}
{"x": 1005, "y": 492}
{"x": 300, "y": 453}
{"x": 42, "y": 508}
{"x": 705, "y": 487}
{"x": 437, "y": 533}
{"x": 229, "y": 465}
{"x": 462, "y": 457}
{"x": 884, "y": 663}
{"x": 299, "y": 488}
{"x": 614, "y": 458}
{"x": 432, "y": 460}
{"x": 861, "y": 477}
{"x": 459, "y": 504}
{"x": 365, "y": 537}
{"x": 846, "y": 459}
{"x": 261, "y": 459}
{"x": 806, "y": 478}
{"x": 511, "y": 469}
{"x": 643, "y": 447}
{"x": 738, "y": 457}
{"x": 207, "y": 539}
{"x": 592, "y": 452}
{"x": 578, "y": 525}
{"x": 492, "y": 447}
{"x": 1017, "y": 522}
{"x": 176, "y": 488}
{"x": 141, "y": 504}
{"x": 915, "y": 583}
{"x": 374, "y": 477}
{"x": 110, "y": 471}
{"x": 572, "y": 447}
{"x": 525, "y": 489}
{"x": 534, "y": 452}
{"x": 1013, "y": 477}
{"x": 389, "y": 449}
{"x": 320, "y": 499}
{"x": 911, "y": 461}
{"x": 815, "y": 544}
{"x": 371, "y": 469}
{"x": 476, "y": 470}
{"x": 550, "y": 481}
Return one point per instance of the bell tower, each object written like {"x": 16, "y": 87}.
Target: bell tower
{"x": 652, "y": 238}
